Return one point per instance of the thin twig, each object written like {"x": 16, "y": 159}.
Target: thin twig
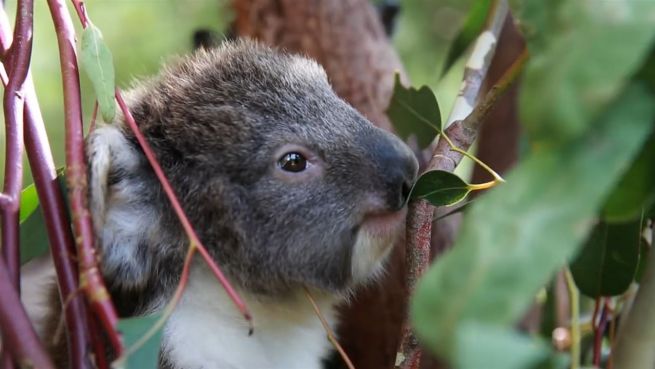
{"x": 328, "y": 330}
{"x": 595, "y": 324}
{"x": 194, "y": 241}
{"x": 612, "y": 319}
{"x": 574, "y": 301}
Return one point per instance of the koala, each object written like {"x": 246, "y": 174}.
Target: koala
{"x": 287, "y": 185}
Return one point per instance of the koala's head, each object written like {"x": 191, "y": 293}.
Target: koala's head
{"x": 285, "y": 183}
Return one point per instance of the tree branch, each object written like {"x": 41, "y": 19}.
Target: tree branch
{"x": 18, "y": 62}
{"x": 91, "y": 280}
{"x": 421, "y": 213}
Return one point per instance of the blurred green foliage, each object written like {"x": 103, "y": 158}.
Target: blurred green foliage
{"x": 140, "y": 34}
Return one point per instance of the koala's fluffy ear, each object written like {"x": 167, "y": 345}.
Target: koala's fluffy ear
{"x": 123, "y": 217}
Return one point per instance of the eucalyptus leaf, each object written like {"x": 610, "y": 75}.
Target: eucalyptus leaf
{"x": 517, "y": 236}
{"x": 29, "y": 201}
{"x": 96, "y": 60}
{"x": 472, "y": 27}
{"x": 133, "y": 330}
{"x": 414, "y": 112}
{"x": 32, "y": 232}
{"x": 492, "y": 347}
{"x": 635, "y": 193}
{"x": 582, "y": 55}
{"x": 34, "y": 241}
{"x": 440, "y": 188}
{"x": 607, "y": 263}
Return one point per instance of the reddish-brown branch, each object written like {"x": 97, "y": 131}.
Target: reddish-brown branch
{"x": 462, "y": 132}
{"x": 5, "y": 200}
{"x": 17, "y": 59}
{"x": 177, "y": 207}
{"x": 54, "y": 209}
{"x": 18, "y": 62}
{"x": 91, "y": 280}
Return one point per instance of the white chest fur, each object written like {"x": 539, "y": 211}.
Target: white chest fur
{"x": 206, "y": 331}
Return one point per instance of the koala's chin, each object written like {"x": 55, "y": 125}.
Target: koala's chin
{"x": 375, "y": 240}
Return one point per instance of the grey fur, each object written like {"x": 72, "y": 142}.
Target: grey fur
{"x": 217, "y": 121}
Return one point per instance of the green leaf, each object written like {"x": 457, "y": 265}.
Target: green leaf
{"x": 607, "y": 263}
{"x": 29, "y": 201}
{"x": 472, "y": 27}
{"x": 515, "y": 237}
{"x": 440, "y": 188}
{"x": 32, "y": 232}
{"x": 636, "y": 190}
{"x": 133, "y": 330}
{"x": 582, "y": 55}
{"x": 414, "y": 112}
{"x": 96, "y": 60}
{"x": 492, "y": 347}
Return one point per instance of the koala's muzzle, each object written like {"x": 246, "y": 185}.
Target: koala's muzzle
{"x": 394, "y": 170}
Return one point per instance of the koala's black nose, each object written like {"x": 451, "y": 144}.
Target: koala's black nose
{"x": 397, "y": 168}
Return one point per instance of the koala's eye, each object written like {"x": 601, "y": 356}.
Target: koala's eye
{"x": 293, "y": 162}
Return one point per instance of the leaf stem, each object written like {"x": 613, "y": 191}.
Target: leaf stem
{"x": 483, "y": 186}
{"x": 328, "y": 330}
{"x": 497, "y": 177}
{"x": 574, "y": 301}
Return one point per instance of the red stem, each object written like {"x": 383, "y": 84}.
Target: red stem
{"x": 80, "y": 9}
{"x": 599, "y": 332}
{"x": 90, "y": 278}
{"x": 188, "y": 228}
{"x": 54, "y": 210}
{"x": 57, "y": 225}
{"x": 18, "y": 61}
{"x": 594, "y": 326}
{"x": 98, "y": 342}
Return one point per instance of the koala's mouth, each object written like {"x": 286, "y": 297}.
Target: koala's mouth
{"x": 376, "y": 236}
{"x": 384, "y": 225}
